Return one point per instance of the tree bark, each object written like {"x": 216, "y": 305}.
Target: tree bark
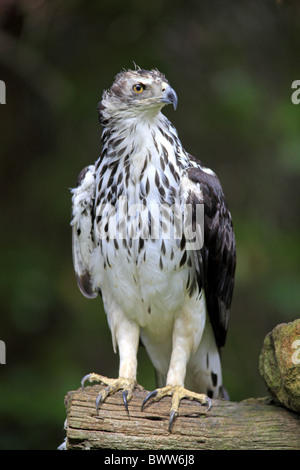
{"x": 251, "y": 424}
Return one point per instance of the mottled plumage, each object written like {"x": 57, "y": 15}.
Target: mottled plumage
{"x": 155, "y": 285}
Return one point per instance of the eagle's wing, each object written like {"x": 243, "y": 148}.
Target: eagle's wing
{"x": 82, "y": 229}
{"x": 215, "y": 262}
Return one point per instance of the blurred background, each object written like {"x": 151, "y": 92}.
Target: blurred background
{"x": 232, "y": 65}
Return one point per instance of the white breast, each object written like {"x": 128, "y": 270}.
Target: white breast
{"x": 143, "y": 275}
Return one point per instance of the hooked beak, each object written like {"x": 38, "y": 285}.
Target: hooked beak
{"x": 169, "y": 97}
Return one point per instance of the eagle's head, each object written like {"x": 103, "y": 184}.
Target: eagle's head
{"x": 136, "y": 93}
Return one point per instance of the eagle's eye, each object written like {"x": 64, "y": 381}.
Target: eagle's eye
{"x": 138, "y": 88}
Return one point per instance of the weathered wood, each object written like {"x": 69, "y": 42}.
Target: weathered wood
{"x": 251, "y": 424}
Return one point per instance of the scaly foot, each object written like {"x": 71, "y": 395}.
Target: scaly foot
{"x": 113, "y": 385}
{"x": 177, "y": 392}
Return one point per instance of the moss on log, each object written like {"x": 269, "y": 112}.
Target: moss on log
{"x": 279, "y": 364}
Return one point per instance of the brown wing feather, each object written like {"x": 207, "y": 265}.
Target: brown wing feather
{"x": 216, "y": 260}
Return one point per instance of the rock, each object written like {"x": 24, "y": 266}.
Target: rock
{"x": 279, "y": 364}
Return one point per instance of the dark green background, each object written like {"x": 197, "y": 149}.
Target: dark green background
{"x": 232, "y": 64}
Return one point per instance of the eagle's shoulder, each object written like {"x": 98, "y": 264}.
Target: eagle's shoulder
{"x": 216, "y": 260}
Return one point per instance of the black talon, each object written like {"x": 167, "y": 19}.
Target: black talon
{"x": 209, "y": 404}
{"x": 84, "y": 379}
{"x": 125, "y": 394}
{"x": 172, "y": 419}
{"x": 150, "y": 395}
{"x": 99, "y": 400}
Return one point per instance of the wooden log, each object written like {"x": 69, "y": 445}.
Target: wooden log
{"x": 251, "y": 424}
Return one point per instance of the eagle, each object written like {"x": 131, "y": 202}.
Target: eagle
{"x": 153, "y": 236}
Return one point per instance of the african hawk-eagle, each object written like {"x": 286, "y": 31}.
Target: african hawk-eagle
{"x": 169, "y": 288}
